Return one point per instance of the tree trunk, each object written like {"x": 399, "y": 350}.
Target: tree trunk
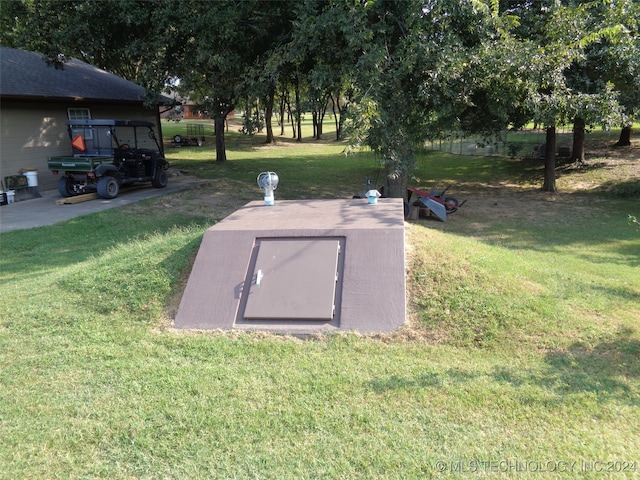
{"x": 268, "y": 113}
{"x": 291, "y": 118}
{"x": 396, "y": 186}
{"x": 322, "y": 111}
{"x": 335, "y": 116}
{"x": 577, "y": 151}
{"x": 258, "y": 112}
{"x": 319, "y": 127}
{"x": 340, "y": 129}
{"x": 342, "y": 110}
{"x": 314, "y": 120}
{"x": 221, "y": 152}
{"x": 283, "y": 103}
{"x": 625, "y": 137}
{"x": 550, "y": 161}
{"x": 298, "y": 112}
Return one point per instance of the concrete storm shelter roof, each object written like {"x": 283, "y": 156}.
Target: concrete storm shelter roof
{"x": 300, "y": 267}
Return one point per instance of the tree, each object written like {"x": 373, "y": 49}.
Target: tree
{"x": 201, "y": 49}
{"x": 321, "y": 35}
{"x": 409, "y": 75}
{"x": 407, "y": 69}
{"x": 211, "y": 47}
{"x": 589, "y": 110}
{"x": 552, "y": 38}
{"x": 602, "y": 79}
{"x": 618, "y": 62}
{"x": 114, "y": 36}
{"x": 263, "y": 79}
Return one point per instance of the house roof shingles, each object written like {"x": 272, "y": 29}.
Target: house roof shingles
{"x": 26, "y": 75}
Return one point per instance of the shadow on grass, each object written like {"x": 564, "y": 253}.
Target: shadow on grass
{"x": 516, "y": 217}
{"x": 123, "y": 283}
{"x": 74, "y": 241}
{"x": 602, "y": 237}
{"x": 622, "y": 189}
{"x": 302, "y": 176}
{"x": 606, "y": 371}
{"x": 603, "y": 369}
{"x": 239, "y": 142}
{"x": 428, "y": 380}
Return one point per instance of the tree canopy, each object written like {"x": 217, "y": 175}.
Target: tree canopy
{"x": 401, "y": 71}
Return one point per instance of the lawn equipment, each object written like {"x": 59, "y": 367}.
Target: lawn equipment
{"x": 435, "y": 201}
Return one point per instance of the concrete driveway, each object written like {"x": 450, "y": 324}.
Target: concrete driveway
{"x": 28, "y": 212}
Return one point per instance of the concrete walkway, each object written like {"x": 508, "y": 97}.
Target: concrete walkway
{"x": 30, "y": 212}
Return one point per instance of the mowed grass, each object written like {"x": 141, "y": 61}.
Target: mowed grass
{"x": 520, "y": 357}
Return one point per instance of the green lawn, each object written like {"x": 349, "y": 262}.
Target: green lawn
{"x": 520, "y": 358}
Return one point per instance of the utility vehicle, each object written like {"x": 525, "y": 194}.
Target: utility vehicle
{"x": 109, "y": 154}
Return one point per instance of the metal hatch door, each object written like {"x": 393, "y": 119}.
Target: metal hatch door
{"x": 293, "y": 279}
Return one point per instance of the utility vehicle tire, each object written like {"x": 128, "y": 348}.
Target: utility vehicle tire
{"x": 108, "y": 187}
{"x": 452, "y": 204}
{"x": 65, "y": 187}
{"x": 161, "y": 179}
{"x": 177, "y": 139}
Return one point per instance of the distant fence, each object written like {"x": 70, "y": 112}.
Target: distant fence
{"x": 511, "y": 143}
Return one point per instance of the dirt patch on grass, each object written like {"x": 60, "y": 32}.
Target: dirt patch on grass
{"x": 608, "y": 170}
{"x": 213, "y": 200}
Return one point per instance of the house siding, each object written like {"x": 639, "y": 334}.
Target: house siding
{"x": 33, "y": 132}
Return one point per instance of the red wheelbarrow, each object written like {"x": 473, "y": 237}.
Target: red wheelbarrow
{"x": 436, "y": 201}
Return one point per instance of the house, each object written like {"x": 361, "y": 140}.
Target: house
{"x": 36, "y": 100}
{"x": 185, "y": 109}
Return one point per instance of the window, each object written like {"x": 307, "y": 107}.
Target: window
{"x": 80, "y": 114}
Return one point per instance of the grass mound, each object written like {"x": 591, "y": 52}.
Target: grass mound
{"x": 520, "y": 354}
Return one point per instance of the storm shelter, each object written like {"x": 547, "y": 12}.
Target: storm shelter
{"x": 300, "y": 267}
